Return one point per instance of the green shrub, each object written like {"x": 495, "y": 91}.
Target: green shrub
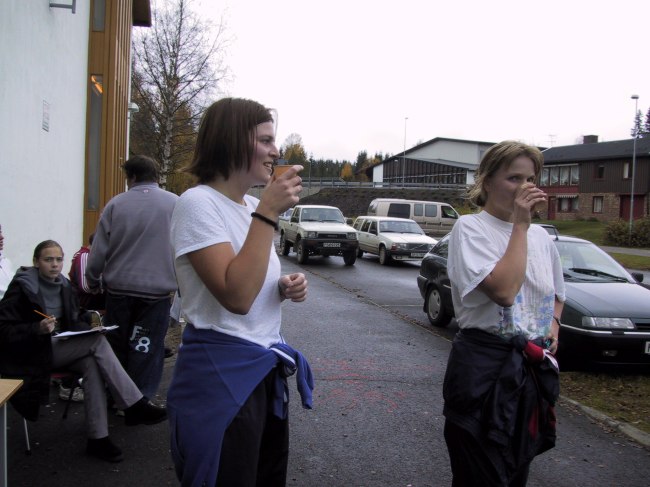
{"x": 641, "y": 232}
{"x": 617, "y": 233}
{"x": 466, "y": 208}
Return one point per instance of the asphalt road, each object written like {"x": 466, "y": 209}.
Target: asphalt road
{"x": 378, "y": 408}
{"x": 377, "y": 417}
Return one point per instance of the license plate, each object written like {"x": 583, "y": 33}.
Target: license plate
{"x": 647, "y": 347}
{"x": 417, "y": 254}
{"x": 331, "y": 244}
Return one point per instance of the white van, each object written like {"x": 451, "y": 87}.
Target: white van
{"x": 434, "y": 217}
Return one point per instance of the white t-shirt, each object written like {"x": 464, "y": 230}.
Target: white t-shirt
{"x": 204, "y": 217}
{"x": 6, "y": 274}
{"x": 476, "y": 244}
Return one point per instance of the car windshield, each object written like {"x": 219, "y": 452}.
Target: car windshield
{"x": 323, "y": 215}
{"x": 550, "y": 229}
{"x": 400, "y": 227}
{"x": 584, "y": 261}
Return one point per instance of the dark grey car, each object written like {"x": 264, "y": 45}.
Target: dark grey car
{"x": 606, "y": 317}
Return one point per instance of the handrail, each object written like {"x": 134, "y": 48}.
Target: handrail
{"x": 331, "y": 182}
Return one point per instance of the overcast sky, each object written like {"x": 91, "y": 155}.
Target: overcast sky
{"x": 344, "y": 74}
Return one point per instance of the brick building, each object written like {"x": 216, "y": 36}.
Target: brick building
{"x": 594, "y": 180}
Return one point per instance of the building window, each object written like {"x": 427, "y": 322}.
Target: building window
{"x": 543, "y": 180}
{"x": 598, "y": 204}
{"x": 99, "y": 15}
{"x": 626, "y": 170}
{"x": 94, "y": 142}
{"x": 567, "y": 205}
{"x": 564, "y": 175}
{"x": 600, "y": 172}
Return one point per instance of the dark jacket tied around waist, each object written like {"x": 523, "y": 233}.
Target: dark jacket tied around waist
{"x": 504, "y": 395}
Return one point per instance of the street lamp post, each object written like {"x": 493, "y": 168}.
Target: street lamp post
{"x": 309, "y": 184}
{"x": 404, "y": 155}
{"x": 636, "y": 134}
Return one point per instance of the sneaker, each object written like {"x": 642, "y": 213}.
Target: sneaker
{"x": 104, "y": 449}
{"x": 77, "y": 395}
{"x": 144, "y": 412}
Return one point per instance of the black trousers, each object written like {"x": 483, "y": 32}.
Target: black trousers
{"x": 470, "y": 464}
{"x": 255, "y": 449}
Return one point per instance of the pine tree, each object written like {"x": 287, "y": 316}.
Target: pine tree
{"x": 646, "y": 128}
{"x": 638, "y": 125}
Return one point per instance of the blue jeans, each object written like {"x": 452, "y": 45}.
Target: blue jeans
{"x": 139, "y": 342}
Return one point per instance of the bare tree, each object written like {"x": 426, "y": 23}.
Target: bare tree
{"x": 178, "y": 65}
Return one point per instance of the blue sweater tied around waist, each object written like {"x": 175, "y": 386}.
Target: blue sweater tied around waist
{"x": 214, "y": 375}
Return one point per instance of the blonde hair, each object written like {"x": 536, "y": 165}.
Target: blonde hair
{"x": 498, "y": 156}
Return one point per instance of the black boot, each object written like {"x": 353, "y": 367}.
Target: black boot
{"x": 143, "y": 412}
{"x": 104, "y": 449}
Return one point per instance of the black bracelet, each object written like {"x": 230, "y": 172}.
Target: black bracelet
{"x": 265, "y": 220}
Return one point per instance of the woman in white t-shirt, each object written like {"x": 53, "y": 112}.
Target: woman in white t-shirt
{"x": 224, "y": 428}
{"x": 508, "y": 294}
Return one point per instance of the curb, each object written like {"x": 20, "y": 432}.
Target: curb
{"x": 628, "y": 430}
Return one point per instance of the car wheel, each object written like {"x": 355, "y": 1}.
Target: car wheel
{"x": 284, "y": 245}
{"x": 350, "y": 257}
{"x": 359, "y": 253}
{"x": 302, "y": 252}
{"x": 384, "y": 258}
{"x": 435, "y": 308}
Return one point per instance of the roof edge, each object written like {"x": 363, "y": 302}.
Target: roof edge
{"x": 141, "y": 13}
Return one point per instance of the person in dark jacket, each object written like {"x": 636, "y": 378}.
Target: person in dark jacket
{"x": 39, "y": 304}
{"x": 88, "y": 300}
{"x": 508, "y": 292}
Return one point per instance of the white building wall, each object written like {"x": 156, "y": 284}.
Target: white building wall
{"x": 43, "y": 63}
{"x": 378, "y": 173}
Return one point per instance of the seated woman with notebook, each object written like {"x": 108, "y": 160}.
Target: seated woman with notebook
{"x": 39, "y": 303}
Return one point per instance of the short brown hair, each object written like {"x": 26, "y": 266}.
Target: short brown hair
{"x": 496, "y": 157}
{"x": 142, "y": 169}
{"x": 224, "y": 142}
{"x": 45, "y": 244}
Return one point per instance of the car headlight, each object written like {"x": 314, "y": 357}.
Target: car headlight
{"x": 352, "y": 236}
{"x": 312, "y": 234}
{"x": 402, "y": 246}
{"x": 616, "y": 323}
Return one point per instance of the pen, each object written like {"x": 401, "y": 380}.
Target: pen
{"x": 42, "y": 314}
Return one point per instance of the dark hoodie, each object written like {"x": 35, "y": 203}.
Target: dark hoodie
{"x": 24, "y": 353}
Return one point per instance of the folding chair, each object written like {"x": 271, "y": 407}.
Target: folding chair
{"x": 69, "y": 379}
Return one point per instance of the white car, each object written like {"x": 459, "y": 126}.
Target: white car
{"x": 392, "y": 238}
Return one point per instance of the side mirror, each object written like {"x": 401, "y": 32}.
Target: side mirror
{"x": 638, "y": 276}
